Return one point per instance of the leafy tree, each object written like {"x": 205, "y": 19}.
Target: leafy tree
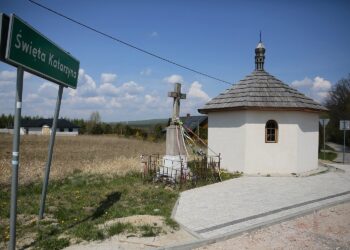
{"x": 158, "y": 131}
{"x": 95, "y": 119}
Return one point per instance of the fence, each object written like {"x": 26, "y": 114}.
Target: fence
{"x": 199, "y": 169}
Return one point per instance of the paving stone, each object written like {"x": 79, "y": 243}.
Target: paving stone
{"x": 241, "y": 203}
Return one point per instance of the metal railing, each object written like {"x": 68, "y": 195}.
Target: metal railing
{"x": 198, "y": 169}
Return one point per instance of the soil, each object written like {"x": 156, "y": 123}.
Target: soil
{"x": 131, "y": 241}
{"x": 325, "y": 229}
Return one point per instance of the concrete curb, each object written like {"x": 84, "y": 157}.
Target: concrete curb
{"x": 194, "y": 234}
{"x": 202, "y": 242}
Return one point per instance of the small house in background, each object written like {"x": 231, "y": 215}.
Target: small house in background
{"x": 263, "y": 126}
{"x": 43, "y": 127}
{"x": 198, "y": 124}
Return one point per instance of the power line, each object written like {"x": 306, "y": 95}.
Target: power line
{"x": 128, "y": 44}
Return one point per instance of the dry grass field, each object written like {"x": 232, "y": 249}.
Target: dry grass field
{"x": 87, "y": 154}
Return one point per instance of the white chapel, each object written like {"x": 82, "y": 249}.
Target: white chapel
{"x": 263, "y": 126}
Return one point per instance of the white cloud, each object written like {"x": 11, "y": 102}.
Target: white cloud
{"x": 86, "y": 84}
{"x": 131, "y": 88}
{"x": 131, "y": 99}
{"x": 48, "y": 90}
{"x": 108, "y": 89}
{"x": 108, "y": 77}
{"x": 114, "y": 103}
{"x": 323, "y": 95}
{"x": 302, "y": 83}
{"x": 316, "y": 88}
{"x": 321, "y": 84}
{"x": 150, "y": 99}
{"x": 154, "y": 34}
{"x": 173, "y": 79}
{"x": 27, "y": 75}
{"x": 146, "y": 72}
{"x": 6, "y": 75}
{"x": 196, "y": 91}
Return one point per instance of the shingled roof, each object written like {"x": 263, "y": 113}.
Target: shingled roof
{"x": 262, "y": 91}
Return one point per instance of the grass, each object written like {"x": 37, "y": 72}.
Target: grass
{"x": 87, "y": 154}
{"x": 330, "y": 156}
{"x": 93, "y": 180}
{"x": 77, "y": 205}
{"x": 120, "y": 228}
{"x": 225, "y": 175}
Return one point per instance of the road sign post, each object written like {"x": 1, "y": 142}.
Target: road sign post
{"x": 27, "y": 49}
{"x": 324, "y": 123}
{"x": 51, "y": 144}
{"x": 15, "y": 157}
{"x": 344, "y": 125}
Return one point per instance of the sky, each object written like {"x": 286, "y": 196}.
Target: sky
{"x": 307, "y": 46}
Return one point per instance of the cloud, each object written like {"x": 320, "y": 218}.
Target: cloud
{"x": 8, "y": 77}
{"x": 316, "y": 88}
{"x": 149, "y": 99}
{"x": 146, "y": 72}
{"x": 154, "y": 34}
{"x": 196, "y": 98}
{"x": 86, "y": 84}
{"x": 114, "y": 103}
{"x": 321, "y": 84}
{"x": 129, "y": 100}
{"x": 173, "y": 79}
{"x": 108, "y": 89}
{"x": 196, "y": 91}
{"x": 48, "y": 89}
{"x": 302, "y": 83}
{"x": 131, "y": 88}
{"x": 108, "y": 77}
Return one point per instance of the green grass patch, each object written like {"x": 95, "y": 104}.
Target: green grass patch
{"x": 120, "y": 228}
{"x": 225, "y": 175}
{"x": 171, "y": 223}
{"x": 78, "y": 204}
{"x": 149, "y": 231}
{"x": 329, "y": 156}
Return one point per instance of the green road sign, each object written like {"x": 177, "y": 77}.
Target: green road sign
{"x": 37, "y": 54}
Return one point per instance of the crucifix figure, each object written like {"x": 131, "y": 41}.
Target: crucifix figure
{"x": 177, "y": 95}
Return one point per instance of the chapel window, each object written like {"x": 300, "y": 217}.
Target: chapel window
{"x": 271, "y": 131}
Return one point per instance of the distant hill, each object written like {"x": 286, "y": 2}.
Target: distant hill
{"x": 145, "y": 124}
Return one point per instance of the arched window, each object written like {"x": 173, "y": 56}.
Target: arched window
{"x": 271, "y": 131}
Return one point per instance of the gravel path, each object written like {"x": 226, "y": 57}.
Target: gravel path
{"x": 325, "y": 229}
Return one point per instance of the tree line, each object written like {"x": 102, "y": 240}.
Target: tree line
{"x": 94, "y": 126}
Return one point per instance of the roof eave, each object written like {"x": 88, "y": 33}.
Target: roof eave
{"x": 206, "y": 111}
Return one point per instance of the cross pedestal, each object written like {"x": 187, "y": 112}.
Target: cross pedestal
{"x": 175, "y": 157}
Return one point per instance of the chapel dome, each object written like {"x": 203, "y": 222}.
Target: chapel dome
{"x": 261, "y": 91}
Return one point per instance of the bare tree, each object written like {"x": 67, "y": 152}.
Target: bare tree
{"x": 338, "y": 103}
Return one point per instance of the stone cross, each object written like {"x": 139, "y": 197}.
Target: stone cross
{"x": 177, "y": 95}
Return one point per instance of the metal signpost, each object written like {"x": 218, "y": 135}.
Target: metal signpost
{"x": 29, "y": 50}
{"x": 344, "y": 125}
{"x": 324, "y": 123}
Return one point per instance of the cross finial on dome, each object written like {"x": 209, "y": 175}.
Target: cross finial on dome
{"x": 259, "y": 55}
{"x": 260, "y": 37}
